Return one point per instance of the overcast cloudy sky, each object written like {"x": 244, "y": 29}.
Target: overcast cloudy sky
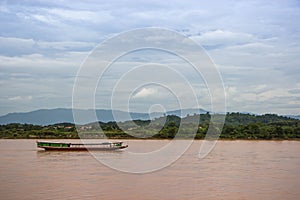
{"x": 254, "y": 44}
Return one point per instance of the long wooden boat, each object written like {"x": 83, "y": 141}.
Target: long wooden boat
{"x": 60, "y": 146}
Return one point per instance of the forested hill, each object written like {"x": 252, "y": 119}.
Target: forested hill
{"x": 245, "y": 119}
{"x": 237, "y": 126}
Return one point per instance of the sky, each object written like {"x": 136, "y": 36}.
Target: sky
{"x": 254, "y": 44}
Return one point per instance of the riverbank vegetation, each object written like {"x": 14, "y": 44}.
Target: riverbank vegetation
{"x": 237, "y": 126}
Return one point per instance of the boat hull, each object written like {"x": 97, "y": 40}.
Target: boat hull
{"x": 83, "y": 148}
{"x": 60, "y": 146}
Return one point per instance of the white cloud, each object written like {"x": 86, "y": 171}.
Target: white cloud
{"x": 19, "y": 46}
{"x": 66, "y": 45}
{"x": 4, "y": 9}
{"x": 44, "y": 18}
{"x": 253, "y": 48}
{"x": 73, "y": 15}
{"x": 145, "y": 92}
{"x": 224, "y": 38}
{"x": 20, "y": 98}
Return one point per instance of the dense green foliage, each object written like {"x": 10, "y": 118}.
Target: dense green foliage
{"x": 19, "y": 131}
{"x": 237, "y": 126}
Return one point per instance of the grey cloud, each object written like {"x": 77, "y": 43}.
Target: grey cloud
{"x": 254, "y": 43}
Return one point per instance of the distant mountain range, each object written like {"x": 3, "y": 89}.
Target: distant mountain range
{"x": 61, "y": 115}
{"x": 293, "y": 116}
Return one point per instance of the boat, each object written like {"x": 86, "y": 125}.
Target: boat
{"x": 61, "y": 146}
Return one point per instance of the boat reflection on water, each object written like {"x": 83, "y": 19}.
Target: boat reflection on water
{"x": 63, "y": 155}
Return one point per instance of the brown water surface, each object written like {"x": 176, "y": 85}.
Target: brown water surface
{"x": 233, "y": 170}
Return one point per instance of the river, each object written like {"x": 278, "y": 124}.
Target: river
{"x": 233, "y": 170}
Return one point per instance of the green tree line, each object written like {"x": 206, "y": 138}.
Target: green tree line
{"x": 237, "y": 126}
